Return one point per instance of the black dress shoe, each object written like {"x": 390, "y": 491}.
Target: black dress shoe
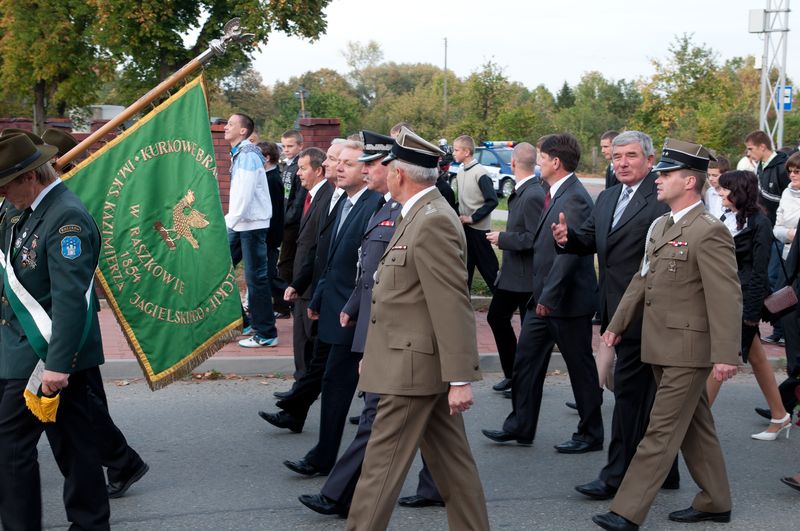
{"x": 502, "y": 385}
{"x": 614, "y": 522}
{"x": 791, "y": 482}
{"x": 691, "y": 516}
{"x": 764, "y": 412}
{"x": 304, "y": 468}
{"x": 117, "y": 489}
{"x": 597, "y": 490}
{"x": 419, "y": 501}
{"x": 282, "y": 420}
{"x": 571, "y": 405}
{"x": 578, "y": 447}
{"x": 503, "y": 436}
{"x": 355, "y": 420}
{"x": 323, "y": 505}
{"x": 507, "y": 394}
{"x": 282, "y": 395}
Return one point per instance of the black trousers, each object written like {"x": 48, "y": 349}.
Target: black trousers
{"x": 73, "y": 442}
{"x": 119, "y": 459}
{"x": 338, "y": 387}
{"x": 574, "y": 339}
{"x": 341, "y": 482}
{"x": 501, "y": 310}
{"x": 288, "y": 250}
{"x": 481, "y": 255}
{"x": 308, "y": 387}
{"x": 303, "y": 338}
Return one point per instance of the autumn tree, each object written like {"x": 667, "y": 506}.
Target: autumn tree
{"x": 152, "y": 38}
{"x": 47, "y": 56}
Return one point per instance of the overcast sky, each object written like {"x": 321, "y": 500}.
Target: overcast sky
{"x": 534, "y": 41}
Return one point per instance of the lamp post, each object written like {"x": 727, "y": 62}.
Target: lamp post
{"x": 301, "y": 94}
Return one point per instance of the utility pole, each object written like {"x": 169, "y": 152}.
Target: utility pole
{"x": 773, "y": 24}
{"x": 445, "y": 83}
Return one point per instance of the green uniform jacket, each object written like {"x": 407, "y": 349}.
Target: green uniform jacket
{"x": 59, "y": 244}
{"x": 690, "y": 295}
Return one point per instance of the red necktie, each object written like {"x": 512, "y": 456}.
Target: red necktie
{"x": 306, "y": 203}
{"x": 547, "y": 200}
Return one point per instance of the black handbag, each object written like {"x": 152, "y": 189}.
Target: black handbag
{"x": 781, "y": 302}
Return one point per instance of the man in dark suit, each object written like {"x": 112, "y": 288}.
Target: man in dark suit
{"x": 54, "y": 247}
{"x": 688, "y": 296}
{"x": 616, "y": 231}
{"x": 312, "y": 178}
{"x": 606, "y": 140}
{"x": 330, "y": 295}
{"x": 292, "y": 142}
{"x": 295, "y": 403}
{"x": 421, "y": 354}
{"x": 564, "y": 300}
{"x": 514, "y": 283}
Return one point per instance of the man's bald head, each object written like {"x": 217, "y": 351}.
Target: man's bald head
{"x": 524, "y": 159}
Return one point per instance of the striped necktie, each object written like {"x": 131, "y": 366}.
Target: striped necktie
{"x": 624, "y": 199}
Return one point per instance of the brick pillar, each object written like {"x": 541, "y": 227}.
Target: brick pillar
{"x": 318, "y": 132}
{"x": 222, "y": 152}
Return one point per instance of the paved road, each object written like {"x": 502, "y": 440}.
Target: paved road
{"x": 216, "y": 466}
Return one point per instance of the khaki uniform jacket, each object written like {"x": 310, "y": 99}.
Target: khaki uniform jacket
{"x": 690, "y": 294}
{"x": 421, "y": 333}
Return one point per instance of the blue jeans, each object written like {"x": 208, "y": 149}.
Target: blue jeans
{"x": 251, "y": 246}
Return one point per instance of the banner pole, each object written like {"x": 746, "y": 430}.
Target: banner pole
{"x": 232, "y": 32}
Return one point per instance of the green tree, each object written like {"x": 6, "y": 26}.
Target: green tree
{"x": 565, "y": 97}
{"x": 243, "y": 91}
{"x": 149, "y": 37}
{"x": 47, "y": 55}
{"x": 484, "y": 94}
{"x": 329, "y": 96}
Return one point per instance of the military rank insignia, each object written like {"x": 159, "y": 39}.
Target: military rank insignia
{"x": 71, "y": 247}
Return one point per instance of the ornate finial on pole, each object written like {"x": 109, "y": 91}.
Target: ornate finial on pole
{"x": 231, "y": 32}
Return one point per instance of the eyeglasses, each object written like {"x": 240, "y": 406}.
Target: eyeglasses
{"x": 793, "y": 170}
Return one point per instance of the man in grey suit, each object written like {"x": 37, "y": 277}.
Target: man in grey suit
{"x": 564, "y": 299}
{"x": 514, "y": 283}
{"x": 337, "y": 492}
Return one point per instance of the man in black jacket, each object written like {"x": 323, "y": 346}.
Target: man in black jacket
{"x": 295, "y": 194}
{"x": 559, "y": 312}
{"x": 515, "y": 281}
{"x": 772, "y": 181}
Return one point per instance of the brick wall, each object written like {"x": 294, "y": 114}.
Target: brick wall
{"x": 318, "y": 132}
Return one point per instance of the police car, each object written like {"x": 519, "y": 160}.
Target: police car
{"x": 495, "y": 156}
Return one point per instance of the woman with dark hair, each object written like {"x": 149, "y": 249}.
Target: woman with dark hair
{"x": 752, "y": 238}
{"x": 272, "y": 154}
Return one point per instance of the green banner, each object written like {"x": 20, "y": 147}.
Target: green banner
{"x": 165, "y": 264}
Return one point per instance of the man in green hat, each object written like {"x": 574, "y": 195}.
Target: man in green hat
{"x": 50, "y": 340}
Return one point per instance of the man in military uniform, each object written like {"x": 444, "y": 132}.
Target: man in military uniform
{"x": 49, "y": 324}
{"x": 124, "y": 466}
{"x": 688, "y": 292}
{"x": 421, "y": 353}
{"x": 337, "y": 492}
